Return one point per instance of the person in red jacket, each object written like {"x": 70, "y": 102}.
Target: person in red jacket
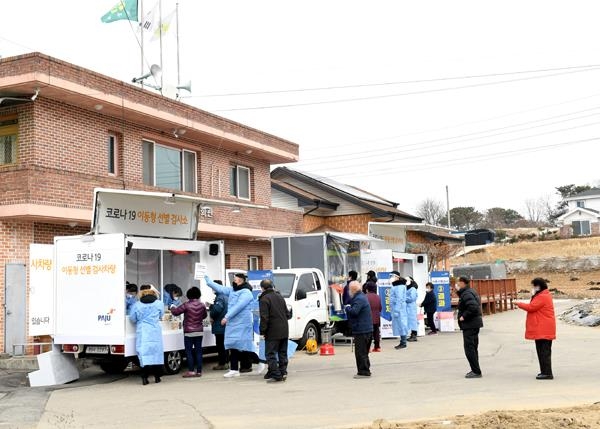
{"x": 541, "y": 325}
{"x": 193, "y": 330}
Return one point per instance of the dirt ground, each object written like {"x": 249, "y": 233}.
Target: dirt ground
{"x": 571, "y": 285}
{"x": 587, "y": 417}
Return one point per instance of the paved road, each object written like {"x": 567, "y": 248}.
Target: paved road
{"x": 423, "y": 381}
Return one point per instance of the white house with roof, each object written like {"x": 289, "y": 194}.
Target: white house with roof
{"x": 583, "y": 214}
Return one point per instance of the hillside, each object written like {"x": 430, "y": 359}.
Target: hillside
{"x": 573, "y": 283}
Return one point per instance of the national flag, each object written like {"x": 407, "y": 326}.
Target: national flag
{"x": 150, "y": 20}
{"x": 164, "y": 26}
{"x": 124, "y": 9}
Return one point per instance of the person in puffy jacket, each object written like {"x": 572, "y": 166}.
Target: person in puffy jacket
{"x": 411, "y": 308}
{"x": 398, "y": 308}
{"x": 217, "y": 311}
{"x": 238, "y": 322}
{"x": 429, "y": 305}
{"x": 146, "y": 314}
{"x": 359, "y": 317}
{"x": 194, "y": 312}
{"x": 541, "y": 325}
{"x": 470, "y": 322}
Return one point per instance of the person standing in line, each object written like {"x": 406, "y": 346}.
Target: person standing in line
{"x": 359, "y": 316}
{"x": 429, "y": 305}
{"x": 274, "y": 327}
{"x": 352, "y": 276}
{"x": 398, "y": 308}
{"x": 470, "y": 321}
{"x": 217, "y": 311}
{"x": 371, "y": 278}
{"x": 193, "y": 330}
{"x": 146, "y": 314}
{"x": 239, "y": 336}
{"x": 411, "y": 308}
{"x": 375, "y": 304}
{"x": 540, "y": 325}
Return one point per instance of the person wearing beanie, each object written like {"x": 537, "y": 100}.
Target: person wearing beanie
{"x": 238, "y": 322}
{"x": 411, "y": 308}
{"x": 470, "y": 321}
{"x": 540, "y": 325}
{"x": 146, "y": 315}
{"x": 371, "y": 278}
{"x": 375, "y": 304}
{"x": 274, "y": 327}
{"x": 398, "y": 308}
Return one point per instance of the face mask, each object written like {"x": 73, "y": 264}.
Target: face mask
{"x": 408, "y": 282}
{"x": 457, "y": 287}
{"x": 130, "y": 296}
{"x": 536, "y": 289}
{"x": 428, "y": 290}
{"x": 533, "y": 291}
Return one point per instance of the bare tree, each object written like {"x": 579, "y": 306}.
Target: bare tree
{"x": 539, "y": 209}
{"x": 432, "y": 211}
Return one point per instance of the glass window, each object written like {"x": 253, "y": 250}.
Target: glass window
{"x": 581, "y": 227}
{"x": 168, "y": 167}
{"x": 239, "y": 182}
{"x": 167, "y": 164}
{"x": 8, "y": 141}
{"x": 112, "y": 154}
{"x": 306, "y": 284}
{"x": 148, "y": 162}
{"x": 580, "y": 203}
{"x": 189, "y": 171}
{"x": 284, "y": 283}
{"x": 253, "y": 264}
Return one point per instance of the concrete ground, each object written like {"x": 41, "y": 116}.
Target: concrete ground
{"x": 424, "y": 381}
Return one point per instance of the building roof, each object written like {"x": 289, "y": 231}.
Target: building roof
{"x": 579, "y": 209}
{"x": 376, "y": 204}
{"x": 432, "y": 232}
{"x": 304, "y": 197}
{"x": 21, "y": 76}
{"x": 594, "y": 192}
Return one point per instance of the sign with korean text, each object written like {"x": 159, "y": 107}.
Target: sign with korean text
{"x": 393, "y": 236}
{"x": 384, "y": 286}
{"x": 200, "y": 271}
{"x": 41, "y": 289}
{"x": 90, "y": 282}
{"x": 441, "y": 289}
{"x": 146, "y": 215}
{"x": 379, "y": 261}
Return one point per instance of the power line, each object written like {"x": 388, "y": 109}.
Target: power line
{"x": 425, "y": 91}
{"x": 467, "y": 160}
{"x": 345, "y": 145}
{"x": 424, "y": 145}
{"x": 371, "y": 85}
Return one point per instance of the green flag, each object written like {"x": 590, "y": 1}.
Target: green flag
{"x": 124, "y": 9}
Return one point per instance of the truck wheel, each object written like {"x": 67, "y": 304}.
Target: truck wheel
{"x": 173, "y": 362}
{"x": 311, "y": 331}
{"x": 116, "y": 366}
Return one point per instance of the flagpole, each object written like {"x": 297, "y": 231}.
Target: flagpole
{"x": 177, "y": 24}
{"x": 142, "y": 42}
{"x": 161, "y": 41}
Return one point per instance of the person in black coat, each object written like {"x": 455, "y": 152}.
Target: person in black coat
{"x": 429, "y": 305}
{"x": 359, "y": 316}
{"x": 274, "y": 327}
{"x": 470, "y": 321}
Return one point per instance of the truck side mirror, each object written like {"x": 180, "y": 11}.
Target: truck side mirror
{"x": 300, "y": 294}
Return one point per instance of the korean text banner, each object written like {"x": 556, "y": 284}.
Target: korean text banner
{"x": 384, "y": 288}
{"x": 41, "y": 290}
{"x": 441, "y": 289}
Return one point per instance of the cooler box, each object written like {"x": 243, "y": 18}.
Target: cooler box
{"x": 444, "y": 321}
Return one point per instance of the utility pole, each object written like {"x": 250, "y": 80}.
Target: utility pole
{"x": 448, "y": 206}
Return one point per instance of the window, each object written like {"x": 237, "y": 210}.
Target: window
{"x": 168, "y": 167}
{"x": 8, "y": 141}
{"x": 580, "y": 203}
{"x": 239, "y": 182}
{"x": 306, "y": 284}
{"x": 253, "y": 263}
{"x": 581, "y": 227}
{"x": 112, "y": 154}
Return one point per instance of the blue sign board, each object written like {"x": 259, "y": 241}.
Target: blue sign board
{"x": 441, "y": 288}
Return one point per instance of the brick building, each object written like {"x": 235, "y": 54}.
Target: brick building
{"x": 65, "y": 130}
{"x": 328, "y": 205}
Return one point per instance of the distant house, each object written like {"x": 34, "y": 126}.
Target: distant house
{"x": 583, "y": 215}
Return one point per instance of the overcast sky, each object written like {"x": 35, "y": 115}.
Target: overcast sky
{"x": 499, "y": 100}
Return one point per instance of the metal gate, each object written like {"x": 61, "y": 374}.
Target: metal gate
{"x": 15, "y": 279}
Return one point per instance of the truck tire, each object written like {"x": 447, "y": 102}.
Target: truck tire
{"x": 115, "y": 366}
{"x": 173, "y": 362}
{"x": 311, "y": 331}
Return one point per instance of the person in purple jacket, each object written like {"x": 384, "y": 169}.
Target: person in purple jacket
{"x": 195, "y": 312}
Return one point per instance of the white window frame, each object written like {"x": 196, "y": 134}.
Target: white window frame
{"x": 256, "y": 260}
{"x": 237, "y": 182}
{"x": 580, "y": 204}
{"x": 112, "y": 138}
{"x": 182, "y": 164}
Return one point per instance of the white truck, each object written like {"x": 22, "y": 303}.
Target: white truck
{"x": 91, "y": 272}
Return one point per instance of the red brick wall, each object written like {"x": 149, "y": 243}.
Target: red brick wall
{"x": 310, "y": 222}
